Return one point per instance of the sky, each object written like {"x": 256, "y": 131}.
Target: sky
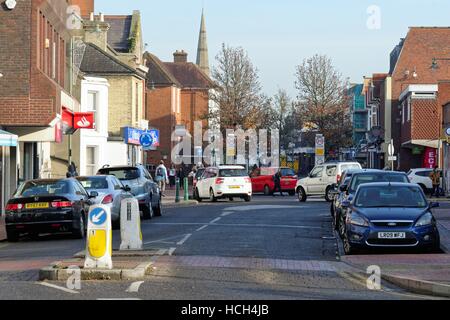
{"x": 357, "y": 35}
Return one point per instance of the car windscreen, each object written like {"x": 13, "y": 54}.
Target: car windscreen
{"x": 224, "y": 173}
{"x": 93, "y": 183}
{"x": 122, "y": 174}
{"x": 43, "y": 188}
{"x": 390, "y": 196}
{"x": 350, "y": 166}
{"x": 268, "y": 171}
{"x": 360, "y": 179}
{"x": 199, "y": 173}
{"x": 287, "y": 172}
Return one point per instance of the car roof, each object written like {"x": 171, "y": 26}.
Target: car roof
{"x": 51, "y": 180}
{"x": 119, "y": 167}
{"x": 367, "y": 171}
{"x": 228, "y": 167}
{"x": 96, "y": 176}
{"x": 387, "y": 184}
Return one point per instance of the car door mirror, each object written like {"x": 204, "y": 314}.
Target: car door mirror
{"x": 126, "y": 188}
{"x": 434, "y": 205}
{"x": 93, "y": 194}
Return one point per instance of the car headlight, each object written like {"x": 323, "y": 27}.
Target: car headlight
{"x": 425, "y": 220}
{"x": 358, "y": 220}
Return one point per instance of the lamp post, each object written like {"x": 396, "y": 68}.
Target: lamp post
{"x": 435, "y": 64}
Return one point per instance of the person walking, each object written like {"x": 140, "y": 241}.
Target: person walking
{"x": 435, "y": 177}
{"x": 172, "y": 176}
{"x": 277, "y": 182}
{"x": 161, "y": 177}
{"x": 72, "y": 170}
{"x": 181, "y": 176}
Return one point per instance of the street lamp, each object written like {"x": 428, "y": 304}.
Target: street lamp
{"x": 434, "y": 62}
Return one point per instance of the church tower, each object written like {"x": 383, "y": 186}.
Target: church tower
{"x": 202, "y": 50}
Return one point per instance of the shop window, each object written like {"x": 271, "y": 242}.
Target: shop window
{"x": 91, "y": 161}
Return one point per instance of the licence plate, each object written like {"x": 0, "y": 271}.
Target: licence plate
{"x": 39, "y": 205}
{"x": 391, "y": 235}
{"x": 235, "y": 187}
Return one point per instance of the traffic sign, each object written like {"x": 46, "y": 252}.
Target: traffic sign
{"x": 391, "y": 149}
{"x": 146, "y": 140}
{"x": 447, "y": 132}
{"x": 98, "y": 216}
{"x": 392, "y": 158}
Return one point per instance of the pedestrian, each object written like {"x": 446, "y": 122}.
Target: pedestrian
{"x": 435, "y": 177}
{"x": 72, "y": 170}
{"x": 161, "y": 177}
{"x": 181, "y": 176}
{"x": 277, "y": 181}
{"x": 172, "y": 176}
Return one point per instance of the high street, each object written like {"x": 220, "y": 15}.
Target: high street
{"x": 272, "y": 248}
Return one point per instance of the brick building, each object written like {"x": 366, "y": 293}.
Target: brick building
{"x": 37, "y": 81}
{"x": 177, "y": 95}
{"x": 414, "y": 124}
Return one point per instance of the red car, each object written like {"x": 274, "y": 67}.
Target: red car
{"x": 262, "y": 180}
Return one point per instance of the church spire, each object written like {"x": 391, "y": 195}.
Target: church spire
{"x": 202, "y": 51}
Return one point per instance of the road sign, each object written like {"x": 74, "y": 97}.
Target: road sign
{"x": 392, "y": 158}
{"x": 391, "y": 149}
{"x": 447, "y": 132}
{"x": 98, "y": 216}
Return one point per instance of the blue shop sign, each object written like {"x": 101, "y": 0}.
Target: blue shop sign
{"x": 132, "y": 135}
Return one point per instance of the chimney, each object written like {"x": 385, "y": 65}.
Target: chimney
{"x": 180, "y": 56}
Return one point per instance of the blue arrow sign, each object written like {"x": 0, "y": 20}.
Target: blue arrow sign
{"x": 146, "y": 140}
{"x": 98, "y": 216}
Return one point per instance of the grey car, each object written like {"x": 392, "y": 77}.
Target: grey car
{"x": 141, "y": 185}
{"x": 110, "y": 192}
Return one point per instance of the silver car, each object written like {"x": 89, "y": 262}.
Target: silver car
{"x": 110, "y": 191}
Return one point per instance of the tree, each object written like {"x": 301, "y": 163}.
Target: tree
{"x": 238, "y": 95}
{"x": 322, "y": 100}
{"x": 285, "y": 119}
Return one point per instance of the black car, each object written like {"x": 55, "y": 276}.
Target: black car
{"x": 358, "y": 178}
{"x": 141, "y": 185}
{"x": 48, "y": 206}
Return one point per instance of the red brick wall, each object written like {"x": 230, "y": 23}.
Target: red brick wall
{"x": 86, "y": 6}
{"x": 28, "y": 97}
{"x": 425, "y": 124}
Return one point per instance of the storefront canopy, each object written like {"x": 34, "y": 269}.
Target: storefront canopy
{"x": 8, "y": 139}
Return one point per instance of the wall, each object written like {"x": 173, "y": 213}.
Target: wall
{"x": 120, "y": 103}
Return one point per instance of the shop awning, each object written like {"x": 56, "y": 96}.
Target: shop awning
{"x": 8, "y": 139}
{"x": 424, "y": 143}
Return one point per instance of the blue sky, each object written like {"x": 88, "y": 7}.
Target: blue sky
{"x": 278, "y": 35}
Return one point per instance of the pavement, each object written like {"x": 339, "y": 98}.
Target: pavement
{"x": 168, "y": 200}
{"x": 272, "y": 248}
{"x": 2, "y": 229}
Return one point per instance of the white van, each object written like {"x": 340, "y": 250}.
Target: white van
{"x": 322, "y": 178}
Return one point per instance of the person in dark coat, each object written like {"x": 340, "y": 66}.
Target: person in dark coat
{"x": 181, "y": 175}
{"x": 72, "y": 170}
{"x": 277, "y": 182}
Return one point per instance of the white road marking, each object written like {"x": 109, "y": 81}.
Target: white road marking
{"x": 184, "y": 239}
{"x": 263, "y": 207}
{"x": 163, "y": 239}
{"x": 118, "y": 299}
{"x": 171, "y": 251}
{"x": 215, "y": 220}
{"x": 134, "y": 287}
{"x": 226, "y": 213}
{"x": 45, "y": 284}
{"x": 161, "y": 252}
{"x": 202, "y": 228}
{"x": 234, "y": 225}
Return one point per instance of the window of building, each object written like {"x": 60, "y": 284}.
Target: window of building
{"x": 408, "y": 106}
{"x": 91, "y": 161}
{"x": 92, "y": 106}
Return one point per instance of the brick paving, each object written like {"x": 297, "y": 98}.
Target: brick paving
{"x": 249, "y": 263}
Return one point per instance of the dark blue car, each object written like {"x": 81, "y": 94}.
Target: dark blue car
{"x": 395, "y": 215}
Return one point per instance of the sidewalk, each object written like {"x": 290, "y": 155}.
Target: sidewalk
{"x": 421, "y": 273}
{"x": 169, "y": 200}
{"x": 2, "y": 229}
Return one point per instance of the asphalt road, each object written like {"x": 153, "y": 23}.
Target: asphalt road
{"x": 271, "y": 248}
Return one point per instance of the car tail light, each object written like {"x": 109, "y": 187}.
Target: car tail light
{"x": 62, "y": 204}
{"x": 220, "y": 180}
{"x": 338, "y": 178}
{"x": 14, "y": 207}
{"x": 107, "y": 199}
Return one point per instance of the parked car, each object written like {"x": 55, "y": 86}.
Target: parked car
{"x": 224, "y": 182}
{"x": 322, "y": 179}
{"x": 390, "y": 215}
{"x": 358, "y": 178}
{"x": 141, "y": 185}
{"x": 262, "y": 180}
{"x": 422, "y": 178}
{"x": 110, "y": 192}
{"x": 48, "y": 206}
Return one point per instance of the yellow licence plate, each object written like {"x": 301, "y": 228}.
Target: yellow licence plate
{"x": 235, "y": 187}
{"x": 38, "y": 205}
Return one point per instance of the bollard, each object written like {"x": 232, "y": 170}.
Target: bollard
{"x": 186, "y": 189}
{"x": 177, "y": 190}
{"x": 130, "y": 225}
{"x": 99, "y": 238}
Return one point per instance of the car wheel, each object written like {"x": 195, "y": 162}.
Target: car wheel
{"x": 79, "y": 233}
{"x": 147, "y": 212}
{"x": 329, "y": 194}
{"x": 301, "y": 194}
{"x": 12, "y": 236}
{"x": 212, "y": 197}
{"x": 158, "y": 210}
{"x": 197, "y": 195}
{"x": 267, "y": 191}
{"x": 248, "y": 198}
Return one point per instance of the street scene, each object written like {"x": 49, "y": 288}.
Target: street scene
{"x": 151, "y": 152}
